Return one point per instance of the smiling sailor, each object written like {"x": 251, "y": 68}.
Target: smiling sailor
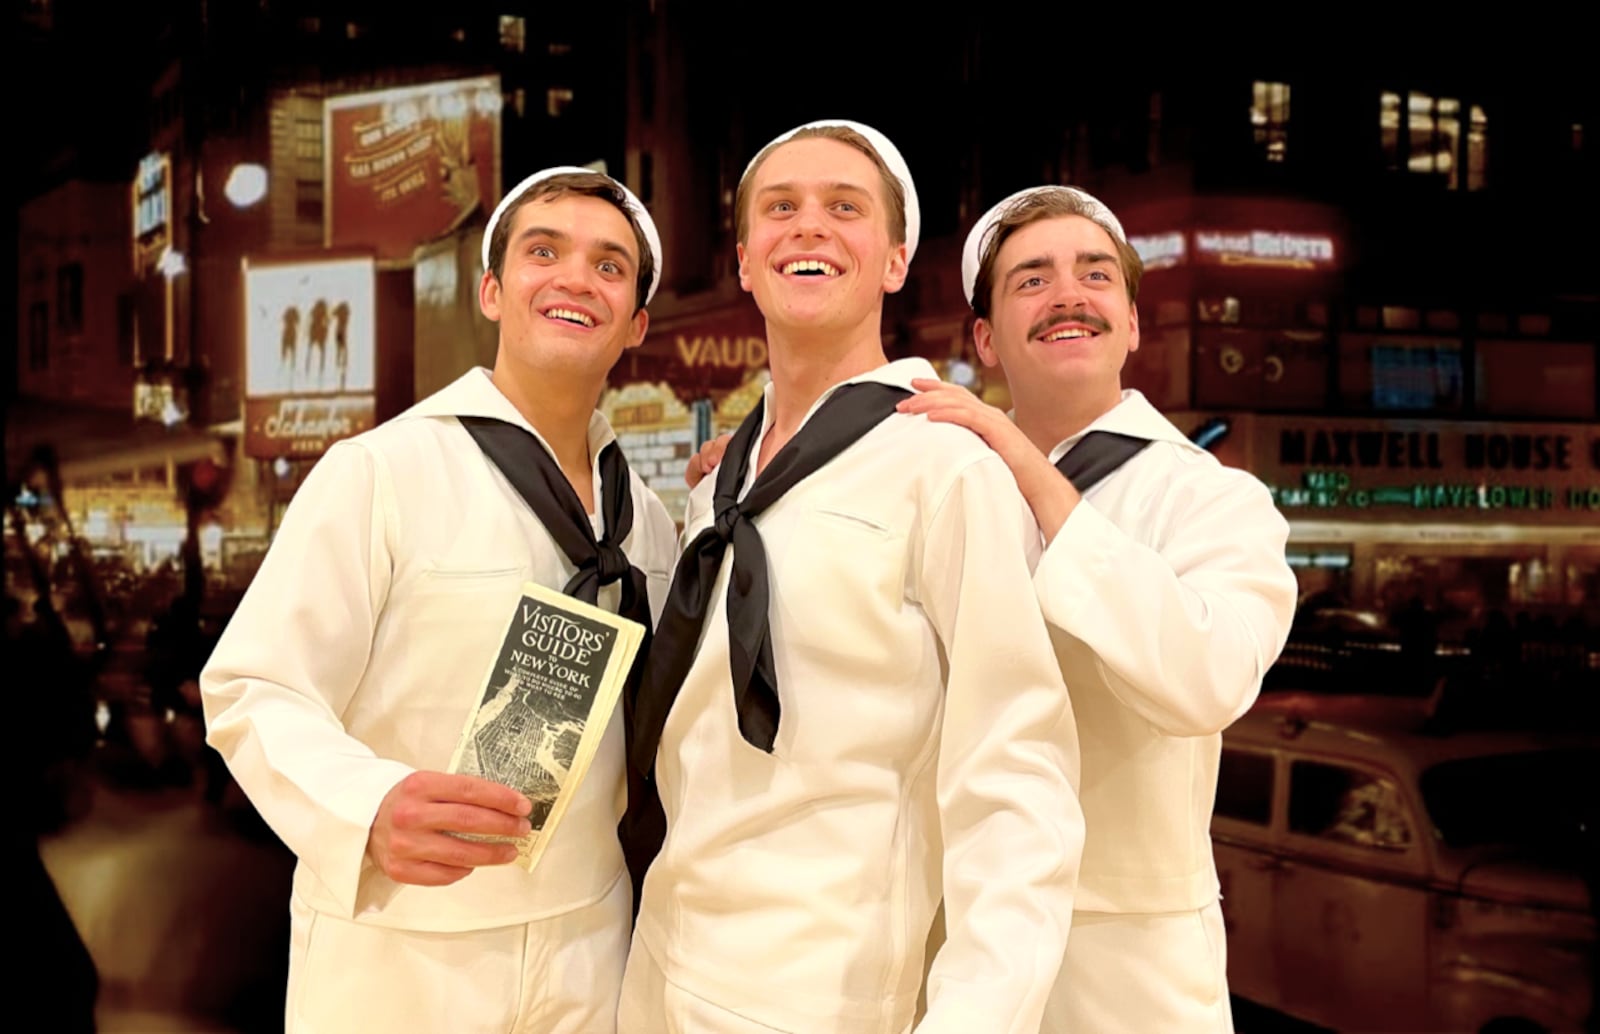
{"x": 341, "y": 684}
{"x": 1165, "y": 585}
{"x": 851, "y": 703}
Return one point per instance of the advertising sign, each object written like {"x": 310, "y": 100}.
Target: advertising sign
{"x": 310, "y": 354}
{"x": 408, "y": 165}
{"x": 1454, "y": 472}
{"x": 152, "y": 210}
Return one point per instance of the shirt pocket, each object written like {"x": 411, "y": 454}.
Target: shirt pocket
{"x": 451, "y": 627}
{"x": 840, "y": 632}
{"x": 475, "y": 601}
{"x": 838, "y": 568}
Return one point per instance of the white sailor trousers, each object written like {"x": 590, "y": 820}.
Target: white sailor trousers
{"x": 559, "y": 975}
{"x": 1164, "y": 973}
{"x": 652, "y": 1004}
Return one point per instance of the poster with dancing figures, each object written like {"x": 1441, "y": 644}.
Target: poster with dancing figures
{"x": 310, "y": 328}
{"x": 545, "y": 703}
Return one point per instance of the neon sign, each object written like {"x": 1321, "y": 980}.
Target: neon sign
{"x": 1265, "y": 248}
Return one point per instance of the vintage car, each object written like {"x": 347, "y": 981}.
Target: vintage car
{"x": 1382, "y": 874}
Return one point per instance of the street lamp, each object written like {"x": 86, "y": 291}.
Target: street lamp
{"x": 247, "y": 184}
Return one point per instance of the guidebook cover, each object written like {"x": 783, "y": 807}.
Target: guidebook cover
{"x": 545, "y": 704}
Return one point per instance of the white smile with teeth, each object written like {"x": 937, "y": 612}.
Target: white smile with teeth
{"x": 570, "y": 315}
{"x": 1068, "y": 332}
{"x": 810, "y": 266}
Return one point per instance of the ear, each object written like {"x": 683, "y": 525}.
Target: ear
{"x": 636, "y": 328}
{"x": 983, "y": 338}
{"x": 744, "y": 267}
{"x": 489, "y": 296}
{"x": 894, "y": 277}
{"x": 1133, "y": 328}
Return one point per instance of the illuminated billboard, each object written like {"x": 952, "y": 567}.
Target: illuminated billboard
{"x": 152, "y": 210}
{"x": 1449, "y": 471}
{"x": 410, "y": 164}
{"x": 310, "y": 354}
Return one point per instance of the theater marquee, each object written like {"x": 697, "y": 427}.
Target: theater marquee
{"x": 1459, "y": 472}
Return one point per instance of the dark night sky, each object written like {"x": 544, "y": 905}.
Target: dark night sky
{"x": 905, "y": 68}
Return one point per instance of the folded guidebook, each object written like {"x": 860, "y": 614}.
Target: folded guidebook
{"x": 546, "y": 700}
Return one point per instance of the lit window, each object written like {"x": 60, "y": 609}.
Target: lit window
{"x": 519, "y": 101}
{"x": 308, "y": 140}
{"x": 1391, "y": 372}
{"x": 557, "y": 99}
{"x": 1401, "y": 317}
{"x": 1433, "y": 141}
{"x": 1389, "y": 127}
{"x": 559, "y": 49}
{"x": 1433, "y": 130}
{"x": 1269, "y": 114}
{"x": 1477, "y": 149}
{"x": 514, "y": 32}
{"x": 1218, "y": 309}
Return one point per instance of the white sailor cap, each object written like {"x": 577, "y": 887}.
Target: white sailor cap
{"x": 891, "y": 157}
{"x": 978, "y": 238}
{"x": 639, "y": 214}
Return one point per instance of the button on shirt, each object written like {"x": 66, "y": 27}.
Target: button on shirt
{"x": 365, "y": 639}
{"x": 1168, "y": 596}
{"x": 924, "y": 721}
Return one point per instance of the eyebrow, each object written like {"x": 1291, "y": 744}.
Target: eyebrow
{"x": 786, "y": 188}
{"x": 1028, "y": 265}
{"x": 542, "y": 231}
{"x": 1083, "y": 258}
{"x": 560, "y": 235}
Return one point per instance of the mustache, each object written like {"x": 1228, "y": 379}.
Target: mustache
{"x": 1055, "y": 319}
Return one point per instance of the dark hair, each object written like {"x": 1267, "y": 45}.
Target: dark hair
{"x": 585, "y": 184}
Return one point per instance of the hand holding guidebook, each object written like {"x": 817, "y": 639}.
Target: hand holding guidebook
{"x": 546, "y": 700}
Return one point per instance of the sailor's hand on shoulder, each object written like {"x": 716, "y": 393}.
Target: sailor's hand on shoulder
{"x": 706, "y": 460}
